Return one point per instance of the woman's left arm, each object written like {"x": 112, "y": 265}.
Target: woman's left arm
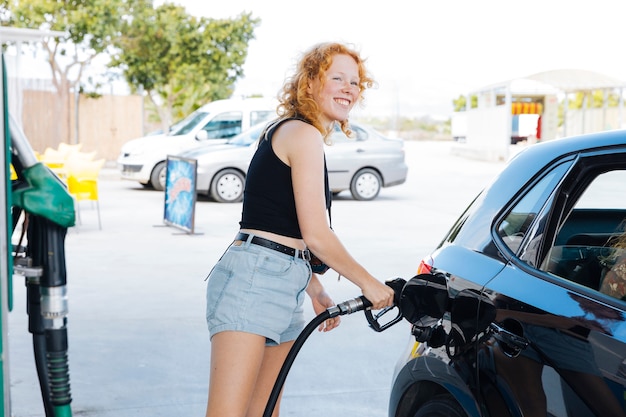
{"x": 321, "y": 301}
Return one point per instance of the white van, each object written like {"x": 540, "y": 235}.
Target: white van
{"x": 143, "y": 160}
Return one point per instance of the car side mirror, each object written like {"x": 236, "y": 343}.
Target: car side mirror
{"x": 202, "y": 135}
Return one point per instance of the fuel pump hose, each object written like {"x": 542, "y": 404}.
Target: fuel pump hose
{"x": 347, "y": 307}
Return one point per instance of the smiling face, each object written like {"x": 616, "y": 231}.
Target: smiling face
{"x": 338, "y": 90}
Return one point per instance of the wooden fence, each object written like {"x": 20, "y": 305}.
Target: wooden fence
{"x": 104, "y": 123}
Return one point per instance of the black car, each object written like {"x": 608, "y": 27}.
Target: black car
{"x": 520, "y": 310}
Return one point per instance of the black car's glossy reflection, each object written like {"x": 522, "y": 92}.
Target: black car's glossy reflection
{"x": 534, "y": 272}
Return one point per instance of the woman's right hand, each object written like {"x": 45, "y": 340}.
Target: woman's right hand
{"x": 379, "y": 294}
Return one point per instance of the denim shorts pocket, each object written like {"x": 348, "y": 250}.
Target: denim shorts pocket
{"x": 219, "y": 279}
{"x": 274, "y": 265}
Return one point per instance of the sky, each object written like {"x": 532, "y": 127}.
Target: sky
{"x": 424, "y": 54}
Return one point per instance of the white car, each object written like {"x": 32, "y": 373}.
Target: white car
{"x": 144, "y": 159}
{"x": 363, "y": 164}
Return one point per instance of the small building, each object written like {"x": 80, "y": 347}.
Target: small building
{"x": 527, "y": 110}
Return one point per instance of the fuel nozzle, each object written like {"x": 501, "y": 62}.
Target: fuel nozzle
{"x": 362, "y": 303}
{"x": 349, "y": 307}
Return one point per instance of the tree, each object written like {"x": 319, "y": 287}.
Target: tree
{"x": 181, "y": 61}
{"x": 460, "y": 103}
{"x": 90, "y": 26}
{"x": 594, "y": 99}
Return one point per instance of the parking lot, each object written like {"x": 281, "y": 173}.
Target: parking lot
{"x": 137, "y": 335}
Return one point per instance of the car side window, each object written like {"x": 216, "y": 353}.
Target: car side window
{"x": 258, "y": 116}
{"x": 187, "y": 125}
{"x": 516, "y": 224}
{"x": 590, "y": 246}
{"x": 224, "y": 125}
{"x": 337, "y": 135}
{"x": 358, "y": 134}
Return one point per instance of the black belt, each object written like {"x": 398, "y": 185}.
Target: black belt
{"x": 266, "y": 243}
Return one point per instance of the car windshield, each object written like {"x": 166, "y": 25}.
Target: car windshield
{"x": 248, "y": 137}
{"x": 187, "y": 124}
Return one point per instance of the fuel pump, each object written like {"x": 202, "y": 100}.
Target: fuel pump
{"x": 48, "y": 210}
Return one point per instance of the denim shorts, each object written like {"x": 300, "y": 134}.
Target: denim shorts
{"x": 257, "y": 290}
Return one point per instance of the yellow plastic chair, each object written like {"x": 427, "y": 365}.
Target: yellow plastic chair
{"x": 82, "y": 182}
{"x": 85, "y": 156}
{"x": 55, "y": 160}
{"x": 67, "y": 149}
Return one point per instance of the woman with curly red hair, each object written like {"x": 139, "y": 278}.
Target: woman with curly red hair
{"x": 256, "y": 290}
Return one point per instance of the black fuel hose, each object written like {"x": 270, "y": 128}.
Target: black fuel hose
{"x": 347, "y": 307}
{"x": 47, "y": 248}
{"x": 36, "y": 328}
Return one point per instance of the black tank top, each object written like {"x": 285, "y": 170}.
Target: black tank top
{"x": 268, "y": 202}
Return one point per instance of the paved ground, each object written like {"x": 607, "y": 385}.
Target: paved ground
{"x": 138, "y": 340}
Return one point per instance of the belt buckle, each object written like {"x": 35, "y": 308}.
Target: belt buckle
{"x": 306, "y": 255}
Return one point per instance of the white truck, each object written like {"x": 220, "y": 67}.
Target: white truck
{"x": 144, "y": 159}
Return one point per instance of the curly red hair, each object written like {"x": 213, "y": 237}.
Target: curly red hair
{"x": 294, "y": 101}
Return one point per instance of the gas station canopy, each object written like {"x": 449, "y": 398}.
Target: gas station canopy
{"x": 573, "y": 80}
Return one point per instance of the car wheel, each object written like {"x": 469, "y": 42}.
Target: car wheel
{"x": 227, "y": 186}
{"x": 157, "y": 178}
{"x": 366, "y": 184}
{"x": 441, "y": 406}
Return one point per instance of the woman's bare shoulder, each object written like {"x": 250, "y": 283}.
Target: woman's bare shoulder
{"x": 297, "y": 128}
{"x": 295, "y": 139}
